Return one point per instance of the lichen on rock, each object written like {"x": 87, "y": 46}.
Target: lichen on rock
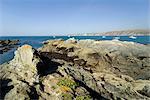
{"x": 78, "y": 70}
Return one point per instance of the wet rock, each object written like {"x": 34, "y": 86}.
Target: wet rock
{"x": 6, "y": 45}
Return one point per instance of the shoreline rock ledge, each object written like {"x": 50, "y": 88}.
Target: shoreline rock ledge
{"x": 6, "y": 45}
{"x": 77, "y": 70}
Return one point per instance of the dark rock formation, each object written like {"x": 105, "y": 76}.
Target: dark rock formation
{"x": 6, "y": 45}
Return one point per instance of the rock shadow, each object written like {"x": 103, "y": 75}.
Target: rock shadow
{"x": 33, "y": 93}
{"x": 95, "y": 95}
{"x": 46, "y": 65}
{"x": 55, "y": 55}
{"x": 4, "y": 88}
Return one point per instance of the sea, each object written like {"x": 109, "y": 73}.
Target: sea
{"x": 36, "y": 41}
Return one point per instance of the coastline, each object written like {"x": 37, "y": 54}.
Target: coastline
{"x": 37, "y": 41}
{"x": 136, "y": 32}
{"x": 74, "y": 69}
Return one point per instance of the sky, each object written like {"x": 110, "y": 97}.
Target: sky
{"x": 60, "y": 17}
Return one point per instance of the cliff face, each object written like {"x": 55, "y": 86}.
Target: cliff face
{"x": 72, "y": 69}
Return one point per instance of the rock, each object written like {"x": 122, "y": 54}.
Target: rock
{"x": 81, "y": 91}
{"x": 19, "y": 91}
{"x": 71, "y": 40}
{"x": 146, "y": 90}
{"x": 114, "y": 56}
{"x": 78, "y": 69}
{"x": 22, "y": 71}
{"x": 142, "y": 87}
{"x": 24, "y": 54}
{"x": 108, "y": 85}
{"x": 6, "y": 45}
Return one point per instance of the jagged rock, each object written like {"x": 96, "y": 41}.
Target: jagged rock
{"x": 24, "y": 55}
{"x": 81, "y": 91}
{"x": 18, "y": 92}
{"x": 6, "y": 45}
{"x": 112, "y": 56}
{"x": 22, "y": 71}
{"x": 8, "y": 42}
{"x": 106, "y": 85}
{"x": 78, "y": 69}
{"x": 146, "y": 90}
{"x": 115, "y": 87}
{"x": 123, "y": 62}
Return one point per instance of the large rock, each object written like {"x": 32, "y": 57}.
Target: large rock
{"x": 21, "y": 71}
{"x": 114, "y": 56}
{"x": 116, "y": 66}
{"x": 109, "y": 86}
{"x": 24, "y": 55}
{"x": 72, "y": 69}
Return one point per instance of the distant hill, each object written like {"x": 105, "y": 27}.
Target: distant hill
{"x": 138, "y": 32}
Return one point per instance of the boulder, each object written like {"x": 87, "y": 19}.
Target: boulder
{"x": 22, "y": 72}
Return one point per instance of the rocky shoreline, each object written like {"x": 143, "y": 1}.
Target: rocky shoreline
{"x": 78, "y": 70}
{"x": 6, "y": 45}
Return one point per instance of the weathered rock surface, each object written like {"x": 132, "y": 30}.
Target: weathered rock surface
{"x": 79, "y": 70}
{"x": 112, "y": 56}
{"x": 21, "y": 72}
{"x": 6, "y": 45}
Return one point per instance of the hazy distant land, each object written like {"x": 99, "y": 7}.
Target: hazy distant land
{"x": 137, "y": 32}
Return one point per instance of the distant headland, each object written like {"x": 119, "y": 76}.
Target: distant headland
{"x": 135, "y": 32}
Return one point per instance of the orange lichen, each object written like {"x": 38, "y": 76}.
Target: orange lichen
{"x": 26, "y": 46}
{"x": 65, "y": 89}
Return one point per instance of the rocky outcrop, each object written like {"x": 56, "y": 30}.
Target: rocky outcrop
{"x": 21, "y": 72}
{"x": 112, "y": 56}
{"x": 6, "y": 45}
{"x": 80, "y": 70}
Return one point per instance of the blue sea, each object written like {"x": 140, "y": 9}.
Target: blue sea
{"x": 36, "y": 41}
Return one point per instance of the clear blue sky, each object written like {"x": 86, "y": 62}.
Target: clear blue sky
{"x": 48, "y": 17}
